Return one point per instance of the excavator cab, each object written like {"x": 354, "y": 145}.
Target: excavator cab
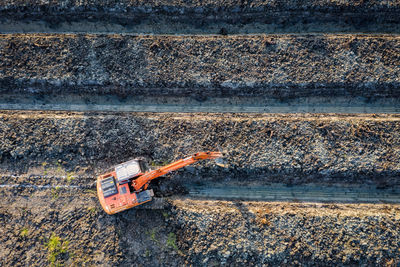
{"x": 115, "y": 189}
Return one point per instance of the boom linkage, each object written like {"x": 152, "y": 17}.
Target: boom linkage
{"x": 144, "y": 180}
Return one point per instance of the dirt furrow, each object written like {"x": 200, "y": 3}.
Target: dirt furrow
{"x": 265, "y": 148}
{"x": 309, "y": 193}
{"x": 269, "y": 66}
{"x": 253, "y": 233}
{"x": 215, "y": 16}
{"x": 191, "y": 105}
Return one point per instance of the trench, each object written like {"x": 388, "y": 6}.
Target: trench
{"x": 297, "y": 193}
{"x": 192, "y": 105}
{"x": 264, "y": 193}
{"x": 177, "y": 28}
{"x": 185, "y": 20}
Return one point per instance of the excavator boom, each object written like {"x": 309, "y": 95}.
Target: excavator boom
{"x": 126, "y": 187}
{"x": 145, "y": 179}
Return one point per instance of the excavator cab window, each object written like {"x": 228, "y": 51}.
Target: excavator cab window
{"x": 128, "y": 170}
{"x": 131, "y": 188}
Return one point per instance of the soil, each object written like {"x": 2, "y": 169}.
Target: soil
{"x": 359, "y": 14}
{"x": 235, "y": 57}
{"x": 270, "y": 66}
{"x": 256, "y": 234}
{"x": 284, "y": 148}
{"x": 193, "y": 232}
{"x": 60, "y": 154}
{"x": 75, "y": 216}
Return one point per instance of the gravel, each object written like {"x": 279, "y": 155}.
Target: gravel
{"x": 272, "y": 66}
{"x": 258, "y": 234}
{"x": 283, "y": 148}
{"x": 232, "y": 11}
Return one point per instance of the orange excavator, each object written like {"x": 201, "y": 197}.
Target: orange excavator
{"x": 126, "y": 186}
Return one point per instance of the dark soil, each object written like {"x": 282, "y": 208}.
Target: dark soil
{"x": 30, "y": 217}
{"x": 259, "y": 234}
{"x": 199, "y": 13}
{"x": 290, "y": 149}
{"x": 271, "y": 66}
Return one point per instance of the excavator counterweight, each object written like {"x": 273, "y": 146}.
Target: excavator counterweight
{"x": 126, "y": 186}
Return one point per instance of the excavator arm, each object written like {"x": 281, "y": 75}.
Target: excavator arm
{"x": 117, "y": 191}
{"x": 144, "y": 180}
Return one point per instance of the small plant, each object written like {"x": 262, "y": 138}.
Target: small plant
{"x": 171, "y": 241}
{"x": 153, "y": 163}
{"x": 55, "y": 192}
{"x": 152, "y": 234}
{"x": 165, "y": 214}
{"x": 91, "y": 191}
{"x": 24, "y": 232}
{"x": 70, "y": 177}
{"x": 59, "y": 168}
{"x": 56, "y": 247}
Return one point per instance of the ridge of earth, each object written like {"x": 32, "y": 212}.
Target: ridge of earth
{"x": 233, "y": 11}
{"x": 265, "y": 148}
{"x": 271, "y": 66}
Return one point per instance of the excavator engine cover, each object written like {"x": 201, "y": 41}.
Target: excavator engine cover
{"x": 127, "y": 170}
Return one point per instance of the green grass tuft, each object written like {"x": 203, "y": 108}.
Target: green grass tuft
{"x": 56, "y": 247}
{"x": 24, "y": 232}
{"x": 171, "y": 241}
{"x": 92, "y": 210}
{"x": 70, "y": 177}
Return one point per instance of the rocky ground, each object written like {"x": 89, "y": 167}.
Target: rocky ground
{"x": 271, "y": 66}
{"x": 255, "y": 234}
{"x": 90, "y": 237}
{"x": 64, "y": 151}
{"x": 200, "y": 13}
{"x": 273, "y": 55}
{"x": 322, "y": 148}
{"x": 189, "y": 232}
